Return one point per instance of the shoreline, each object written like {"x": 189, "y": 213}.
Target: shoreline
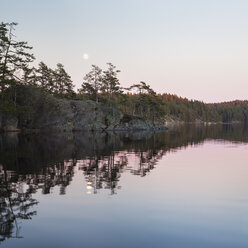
{"x": 169, "y": 125}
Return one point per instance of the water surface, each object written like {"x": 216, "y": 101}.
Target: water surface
{"x": 186, "y": 187}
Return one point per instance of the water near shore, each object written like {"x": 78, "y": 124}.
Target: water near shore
{"x": 186, "y": 187}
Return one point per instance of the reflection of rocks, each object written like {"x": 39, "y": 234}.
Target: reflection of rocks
{"x": 32, "y": 154}
{"x": 29, "y": 163}
{"x": 135, "y": 135}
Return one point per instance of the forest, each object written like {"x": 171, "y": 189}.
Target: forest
{"x": 99, "y": 85}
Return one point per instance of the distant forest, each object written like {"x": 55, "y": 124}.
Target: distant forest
{"x": 102, "y": 86}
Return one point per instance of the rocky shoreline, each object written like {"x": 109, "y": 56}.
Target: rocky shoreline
{"x": 47, "y": 113}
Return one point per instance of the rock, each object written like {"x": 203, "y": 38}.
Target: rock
{"x": 51, "y": 113}
{"x": 71, "y": 115}
{"x": 135, "y": 123}
{"x": 129, "y": 122}
{"x": 46, "y": 112}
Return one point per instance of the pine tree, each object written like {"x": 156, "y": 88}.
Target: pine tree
{"x": 62, "y": 81}
{"x": 111, "y": 84}
{"x": 14, "y": 55}
{"x": 44, "y": 77}
{"x": 143, "y": 88}
{"x": 56, "y": 81}
{"x": 93, "y": 83}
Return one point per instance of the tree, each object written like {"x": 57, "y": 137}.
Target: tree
{"x": 143, "y": 88}
{"x": 44, "y": 77}
{"x": 14, "y": 55}
{"x": 142, "y": 101}
{"x": 56, "y": 81}
{"x": 62, "y": 81}
{"x": 111, "y": 84}
{"x": 29, "y": 76}
{"x": 93, "y": 82}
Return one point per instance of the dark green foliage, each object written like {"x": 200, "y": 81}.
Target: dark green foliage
{"x": 62, "y": 82}
{"x": 110, "y": 83}
{"x": 142, "y": 88}
{"x": 101, "y": 84}
{"x": 44, "y": 77}
{"x": 14, "y": 55}
{"x": 191, "y": 111}
{"x": 15, "y": 67}
{"x": 57, "y": 82}
{"x": 93, "y": 83}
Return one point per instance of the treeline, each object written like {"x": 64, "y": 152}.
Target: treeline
{"x": 101, "y": 86}
{"x": 189, "y": 110}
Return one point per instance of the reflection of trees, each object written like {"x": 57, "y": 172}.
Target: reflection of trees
{"x": 16, "y": 204}
{"x": 147, "y": 161}
{"x": 103, "y": 172}
{"x": 16, "y": 201}
{"x": 29, "y": 163}
{"x": 60, "y": 174}
{"x": 39, "y": 159}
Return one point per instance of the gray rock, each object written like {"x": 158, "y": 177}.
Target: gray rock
{"x": 72, "y": 115}
{"x": 47, "y": 112}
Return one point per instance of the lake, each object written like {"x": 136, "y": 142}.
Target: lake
{"x": 186, "y": 187}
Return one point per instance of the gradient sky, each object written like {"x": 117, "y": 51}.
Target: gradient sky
{"x": 193, "y": 48}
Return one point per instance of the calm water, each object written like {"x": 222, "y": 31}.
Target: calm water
{"x": 187, "y": 187}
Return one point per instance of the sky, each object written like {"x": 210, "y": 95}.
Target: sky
{"x": 193, "y": 48}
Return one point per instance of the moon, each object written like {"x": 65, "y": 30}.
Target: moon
{"x": 85, "y": 56}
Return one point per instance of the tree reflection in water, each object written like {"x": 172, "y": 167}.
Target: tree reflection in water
{"x": 29, "y": 163}
{"x": 16, "y": 203}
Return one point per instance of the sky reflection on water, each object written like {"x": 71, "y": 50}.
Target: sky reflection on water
{"x": 182, "y": 188}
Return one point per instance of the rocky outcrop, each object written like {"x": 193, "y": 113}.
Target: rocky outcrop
{"x": 71, "y": 115}
{"x": 44, "y": 112}
{"x": 129, "y": 122}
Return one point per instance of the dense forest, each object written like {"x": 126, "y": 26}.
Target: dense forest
{"x": 102, "y": 86}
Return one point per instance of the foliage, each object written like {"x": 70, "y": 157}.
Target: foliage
{"x": 14, "y": 55}
{"x": 15, "y": 70}
{"x": 93, "y": 83}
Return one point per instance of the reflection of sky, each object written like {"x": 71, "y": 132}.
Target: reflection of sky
{"x": 196, "y": 197}
{"x": 194, "y": 48}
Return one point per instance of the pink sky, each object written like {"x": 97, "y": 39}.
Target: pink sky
{"x": 196, "y": 48}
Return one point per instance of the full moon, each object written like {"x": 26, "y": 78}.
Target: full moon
{"x": 86, "y": 56}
